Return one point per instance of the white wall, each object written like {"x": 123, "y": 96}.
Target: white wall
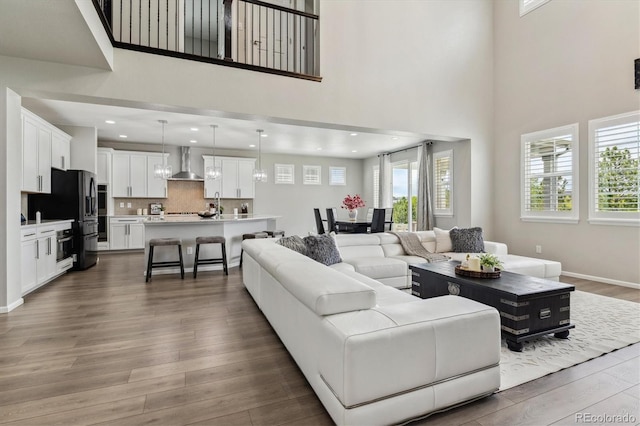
{"x": 295, "y": 203}
{"x": 568, "y": 61}
{"x": 428, "y": 71}
{"x": 10, "y": 203}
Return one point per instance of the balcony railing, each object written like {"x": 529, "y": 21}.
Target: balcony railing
{"x": 247, "y": 34}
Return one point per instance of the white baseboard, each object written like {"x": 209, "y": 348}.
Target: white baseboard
{"x": 11, "y": 307}
{"x": 602, "y": 280}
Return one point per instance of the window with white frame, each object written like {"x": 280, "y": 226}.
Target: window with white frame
{"x": 311, "y": 175}
{"x": 549, "y": 179}
{"x": 527, "y": 6}
{"x": 614, "y": 170}
{"x": 443, "y": 183}
{"x": 284, "y": 174}
{"x": 337, "y": 175}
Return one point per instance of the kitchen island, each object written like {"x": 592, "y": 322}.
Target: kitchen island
{"x": 188, "y": 227}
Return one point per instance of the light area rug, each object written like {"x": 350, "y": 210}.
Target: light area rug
{"x": 603, "y": 324}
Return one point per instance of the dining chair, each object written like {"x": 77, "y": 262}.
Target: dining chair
{"x": 331, "y": 220}
{"x": 319, "y": 224}
{"x": 377, "y": 221}
{"x": 388, "y": 218}
{"x": 369, "y": 214}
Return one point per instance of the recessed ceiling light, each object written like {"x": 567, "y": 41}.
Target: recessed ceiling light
{"x": 395, "y": 138}
{"x": 264, "y": 135}
{"x": 123, "y": 136}
{"x": 355, "y": 150}
{"x": 109, "y": 121}
{"x": 193, "y": 141}
{"x": 194, "y": 129}
{"x": 252, "y": 146}
{"x": 354, "y": 134}
{"x": 318, "y": 149}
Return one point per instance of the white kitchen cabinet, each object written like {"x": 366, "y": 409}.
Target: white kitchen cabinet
{"x": 36, "y": 154}
{"x": 104, "y": 166}
{"x": 38, "y": 257}
{"x": 132, "y": 175}
{"x": 246, "y": 184}
{"x": 60, "y": 150}
{"x": 126, "y": 233}
{"x": 29, "y": 263}
{"x": 237, "y": 179}
{"x": 129, "y": 174}
{"x": 212, "y": 186}
{"x": 156, "y": 188}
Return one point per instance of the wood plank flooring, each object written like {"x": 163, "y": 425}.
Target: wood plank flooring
{"x": 103, "y": 347}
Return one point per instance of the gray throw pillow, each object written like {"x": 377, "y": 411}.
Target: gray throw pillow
{"x": 467, "y": 240}
{"x": 294, "y": 243}
{"x": 322, "y": 248}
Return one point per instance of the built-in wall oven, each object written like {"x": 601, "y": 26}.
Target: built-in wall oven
{"x": 103, "y": 228}
{"x": 64, "y": 240}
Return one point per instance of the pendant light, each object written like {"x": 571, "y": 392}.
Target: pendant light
{"x": 213, "y": 172}
{"x": 259, "y": 174}
{"x": 162, "y": 171}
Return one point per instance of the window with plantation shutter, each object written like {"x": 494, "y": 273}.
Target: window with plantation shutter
{"x": 311, "y": 175}
{"x": 337, "y": 175}
{"x": 443, "y": 183}
{"x": 527, "y": 6}
{"x": 549, "y": 181}
{"x": 614, "y": 170}
{"x": 284, "y": 174}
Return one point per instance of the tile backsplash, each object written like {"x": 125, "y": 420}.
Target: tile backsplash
{"x": 183, "y": 196}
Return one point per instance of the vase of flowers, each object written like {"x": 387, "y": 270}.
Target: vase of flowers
{"x": 352, "y": 204}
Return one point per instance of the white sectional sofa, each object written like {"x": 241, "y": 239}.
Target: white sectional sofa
{"x": 381, "y": 257}
{"x": 372, "y": 353}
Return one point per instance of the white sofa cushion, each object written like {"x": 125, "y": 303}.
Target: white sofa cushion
{"x": 398, "y": 348}
{"x": 379, "y": 267}
{"x": 324, "y": 290}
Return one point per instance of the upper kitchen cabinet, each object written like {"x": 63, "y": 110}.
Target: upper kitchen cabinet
{"x": 212, "y": 186}
{"x": 36, "y": 153}
{"x": 104, "y": 166}
{"x": 129, "y": 174}
{"x": 237, "y": 179}
{"x": 60, "y": 150}
{"x": 156, "y": 188}
{"x": 132, "y": 175}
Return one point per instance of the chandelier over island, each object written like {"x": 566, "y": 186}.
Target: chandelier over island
{"x": 259, "y": 174}
{"x": 164, "y": 170}
{"x": 213, "y": 172}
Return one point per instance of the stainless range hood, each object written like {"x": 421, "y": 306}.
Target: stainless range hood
{"x": 185, "y": 166}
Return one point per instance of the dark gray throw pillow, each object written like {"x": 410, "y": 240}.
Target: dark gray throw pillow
{"x": 322, "y": 248}
{"x": 467, "y": 240}
{"x": 294, "y": 243}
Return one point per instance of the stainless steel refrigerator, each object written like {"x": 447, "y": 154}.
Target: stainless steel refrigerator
{"x": 73, "y": 196}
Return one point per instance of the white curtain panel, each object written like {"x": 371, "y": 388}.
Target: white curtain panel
{"x": 384, "y": 183}
{"x": 425, "y": 211}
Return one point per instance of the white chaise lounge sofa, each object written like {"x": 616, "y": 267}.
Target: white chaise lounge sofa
{"x": 381, "y": 257}
{"x": 373, "y": 354}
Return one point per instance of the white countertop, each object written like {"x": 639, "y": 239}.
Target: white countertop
{"x": 31, "y": 224}
{"x": 195, "y": 219}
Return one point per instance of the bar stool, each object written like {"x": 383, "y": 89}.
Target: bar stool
{"x": 251, "y": 236}
{"x": 211, "y": 261}
{"x": 273, "y": 234}
{"x": 159, "y": 242}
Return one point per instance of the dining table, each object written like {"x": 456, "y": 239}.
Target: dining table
{"x": 353, "y": 226}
